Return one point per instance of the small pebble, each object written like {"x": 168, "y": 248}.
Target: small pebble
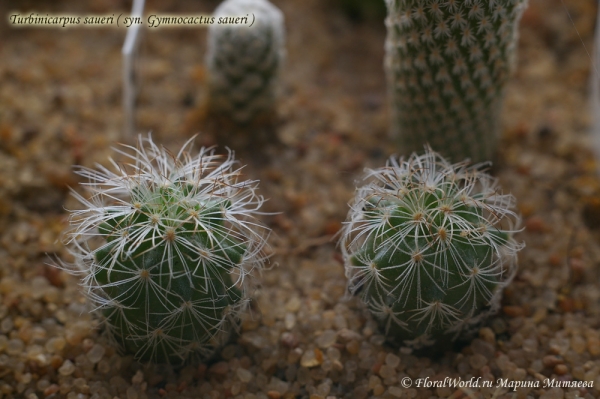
{"x": 561, "y": 369}
{"x": 551, "y": 361}
{"x": 52, "y": 389}
{"x": 55, "y": 344}
{"x": 326, "y": 339}
{"x": 395, "y": 392}
{"x": 289, "y": 321}
{"x": 273, "y": 395}
{"x": 352, "y": 347}
{"x": 392, "y": 360}
{"x": 95, "y": 354}
{"x": 477, "y": 361}
{"x": 67, "y": 368}
{"x": 553, "y": 393}
{"x": 14, "y": 347}
{"x": 244, "y": 375}
{"x": 132, "y": 393}
{"x": 311, "y": 358}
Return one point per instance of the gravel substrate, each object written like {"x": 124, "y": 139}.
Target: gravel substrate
{"x": 60, "y": 104}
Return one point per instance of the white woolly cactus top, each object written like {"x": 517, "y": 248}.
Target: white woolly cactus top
{"x": 428, "y": 246}
{"x": 137, "y": 184}
{"x": 167, "y": 246}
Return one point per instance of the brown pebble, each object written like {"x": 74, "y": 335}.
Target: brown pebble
{"x": 245, "y": 362}
{"x": 555, "y": 260}
{"x": 332, "y": 227}
{"x": 347, "y": 335}
{"x": 55, "y": 276}
{"x": 561, "y": 369}
{"x": 523, "y": 170}
{"x": 87, "y": 344}
{"x": 513, "y": 311}
{"x": 577, "y": 270}
{"x": 162, "y": 392}
{"x": 352, "y": 347}
{"x": 220, "y": 368}
{"x": 551, "y": 361}
{"x": 289, "y": 339}
{"x": 52, "y": 389}
{"x": 283, "y": 222}
{"x": 274, "y": 174}
{"x": 56, "y": 361}
{"x": 487, "y": 334}
{"x": 535, "y": 224}
{"x": 520, "y": 131}
{"x": 201, "y": 371}
{"x": 182, "y": 386}
{"x": 273, "y": 395}
{"x": 593, "y": 344}
{"x": 566, "y": 304}
{"x": 319, "y": 355}
{"x": 376, "y": 367}
{"x": 526, "y": 209}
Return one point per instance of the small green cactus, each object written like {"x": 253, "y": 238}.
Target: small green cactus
{"x": 428, "y": 247}
{"x": 447, "y": 63}
{"x": 167, "y": 246}
{"x": 243, "y": 61}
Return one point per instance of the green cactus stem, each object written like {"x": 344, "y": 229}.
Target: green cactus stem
{"x": 428, "y": 247}
{"x": 244, "y": 60}
{"x": 447, "y": 63}
{"x": 168, "y": 248}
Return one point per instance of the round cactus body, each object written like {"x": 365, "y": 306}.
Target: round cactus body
{"x": 447, "y": 63}
{"x": 168, "y": 247}
{"x": 428, "y": 247}
{"x": 243, "y": 61}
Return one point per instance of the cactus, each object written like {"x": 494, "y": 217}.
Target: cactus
{"x": 243, "y": 61}
{"x": 446, "y": 65}
{"x": 428, "y": 247}
{"x": 168, "y": 247}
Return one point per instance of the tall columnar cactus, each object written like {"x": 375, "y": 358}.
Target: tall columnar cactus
{"x": 243, "y": 60}
{"x": 168, "y": 246}
{"x": 428, "y": 247}
{"x": 447, "y": 63}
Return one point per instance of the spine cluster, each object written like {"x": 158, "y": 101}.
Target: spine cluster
{"x": 428, "y": 247}
{"x": 243, "y": 61}
{"x": 168, "y": 246}
{"x": 447, "y": 63}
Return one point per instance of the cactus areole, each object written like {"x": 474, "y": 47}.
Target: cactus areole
{"x": 167, "y": 247}
{"x": 428, "y": 247}
{"x": 447, "y": 63}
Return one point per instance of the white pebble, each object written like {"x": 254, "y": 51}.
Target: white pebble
{"x": 95, "y": 354}
{"x": 244, "y": 375}
{"x": 67, "y": 368}
{"x": 392, "y": 360}
{"x": 326, "y": 339}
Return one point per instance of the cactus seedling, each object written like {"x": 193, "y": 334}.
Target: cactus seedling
{"x": 168, "y": 246}
{"x": 428, "y": 247}
{"x": 243, "y": 61}
{"x": 446, "y": 64}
